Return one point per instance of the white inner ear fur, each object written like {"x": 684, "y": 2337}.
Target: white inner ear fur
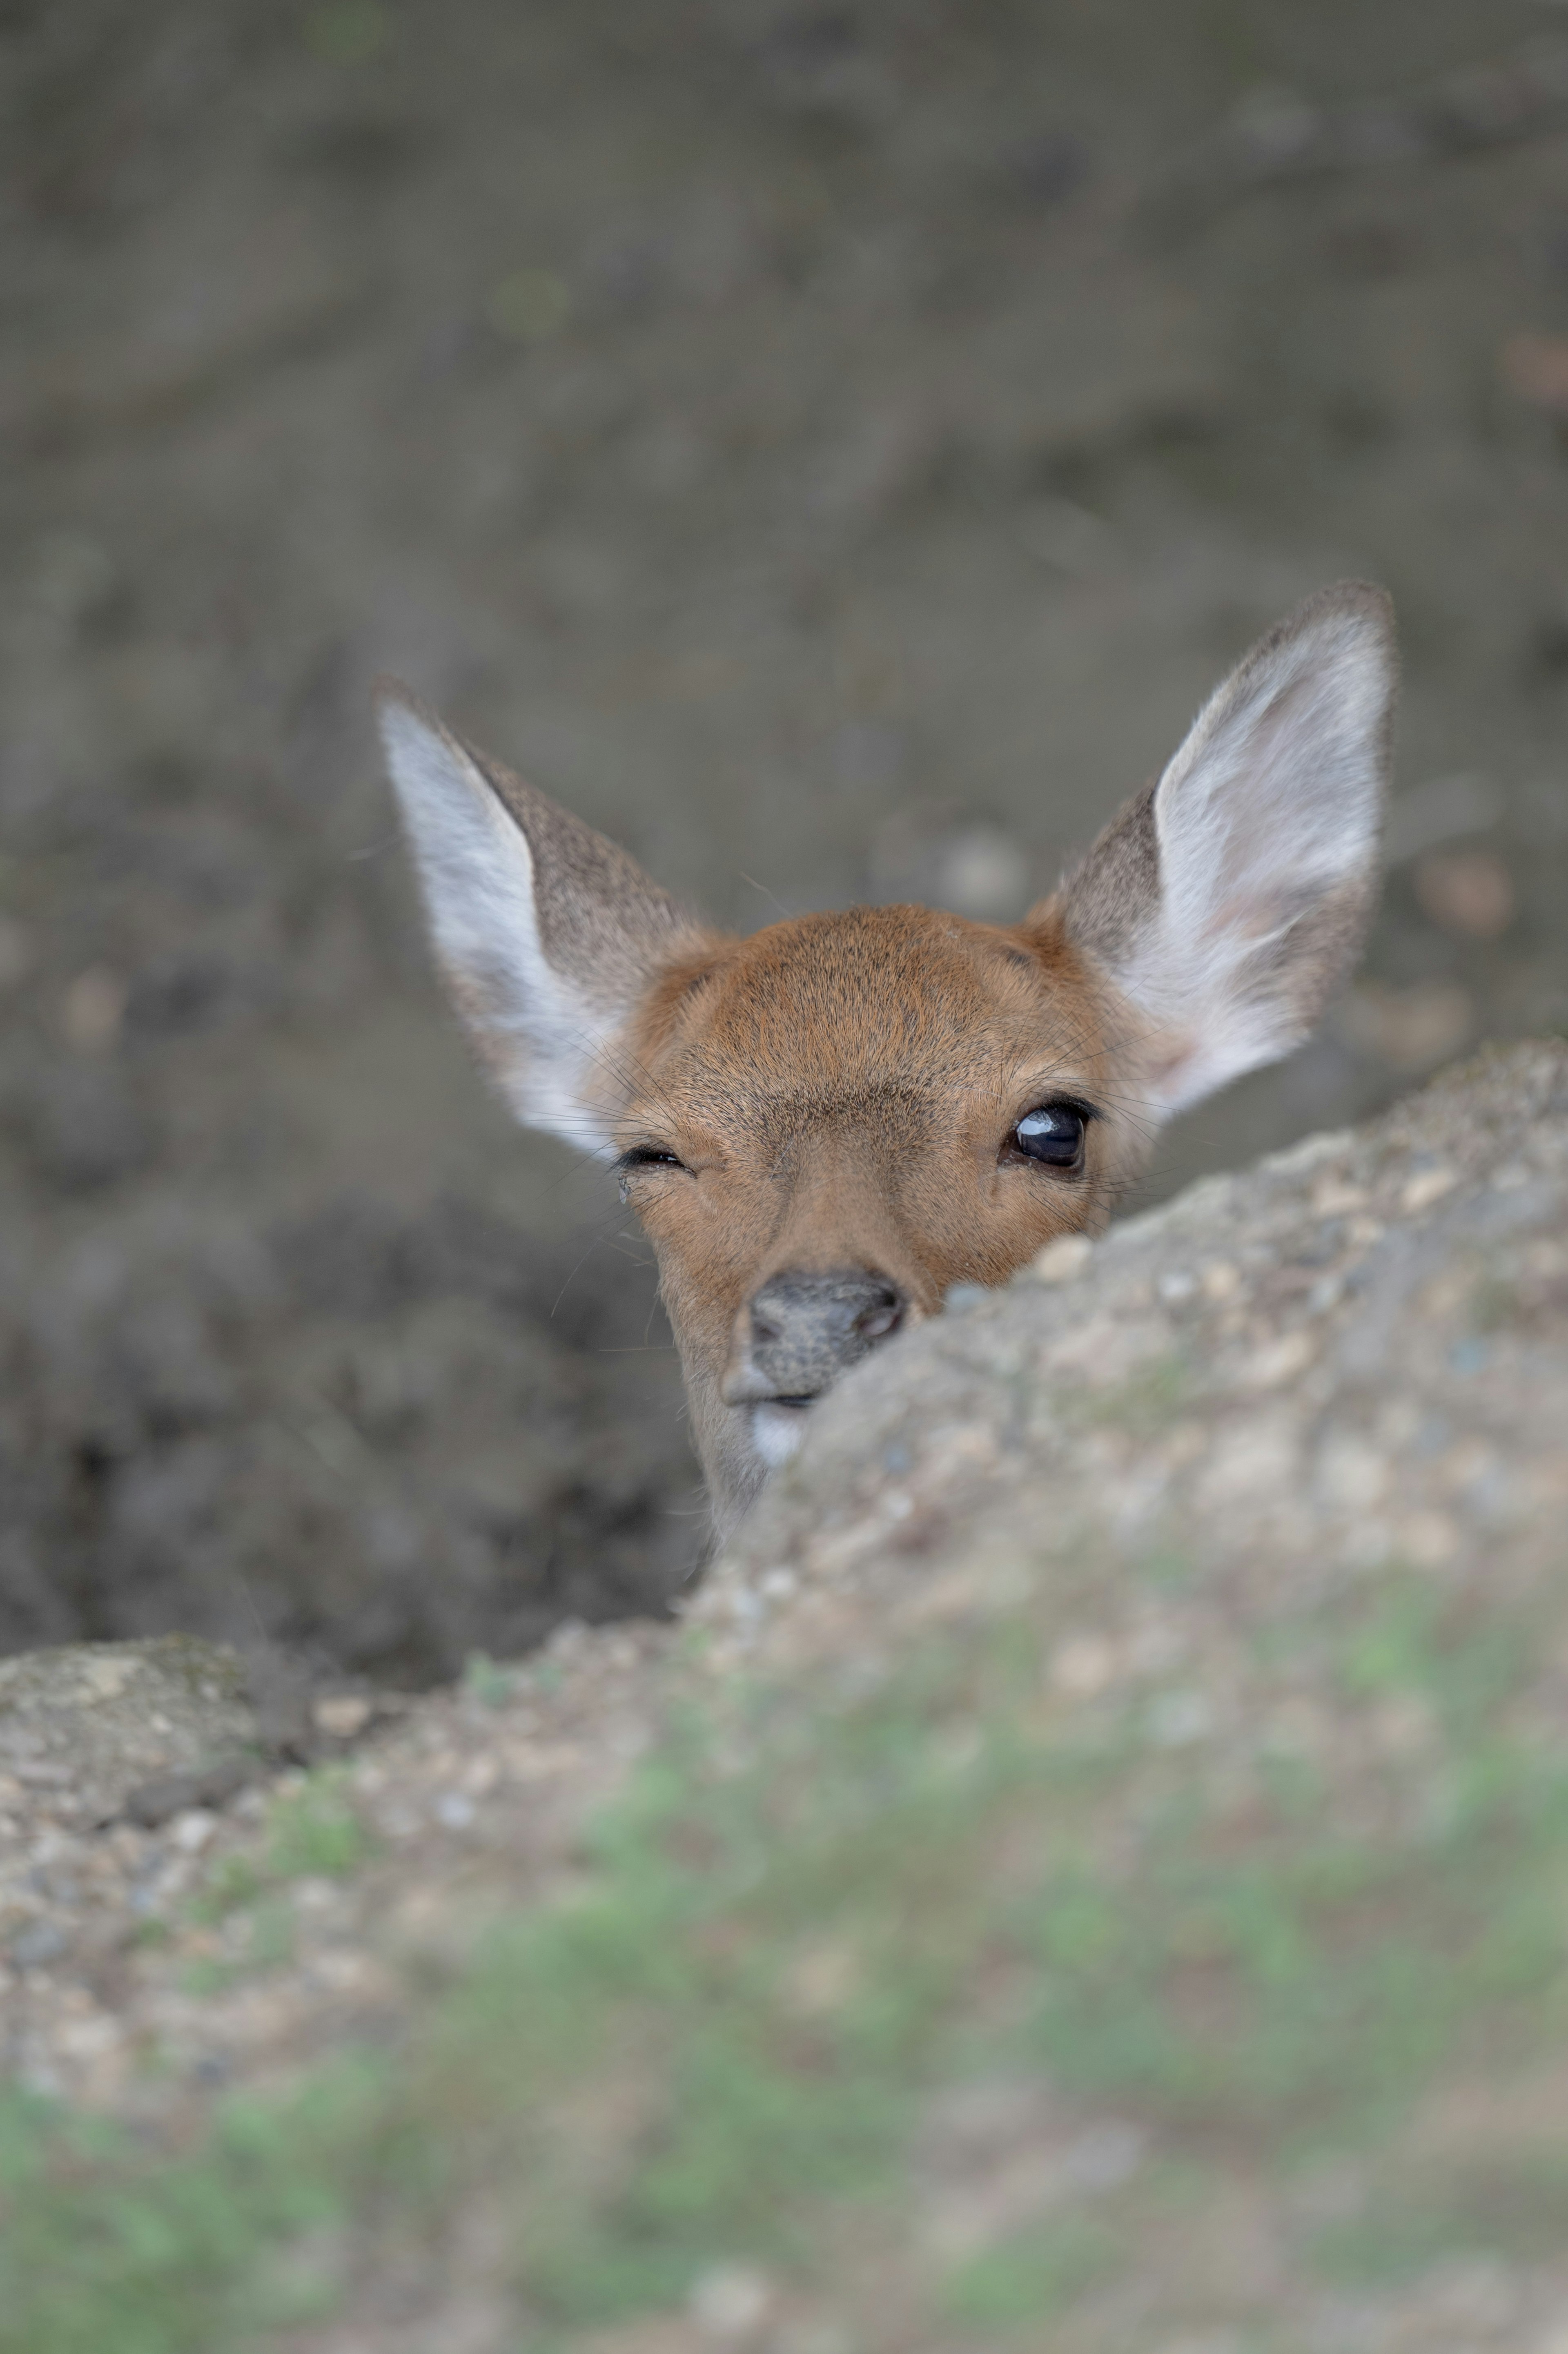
{"x": 538, "y": 1034}
{"x": 1272, "y": 807}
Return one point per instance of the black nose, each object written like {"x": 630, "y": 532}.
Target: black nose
{"x": 806, "y": 1329}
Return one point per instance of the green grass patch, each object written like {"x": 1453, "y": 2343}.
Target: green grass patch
{"x": 1515, "y": 2210}
{"x": 1145, "y": 1403}
{"x": 1032, "y": 2276}
{"x": 803, "y": 1922}
{"x": 313, "y": 1831}
{"x": 487, "y": 1681}
{"x": 268, "y": 1943}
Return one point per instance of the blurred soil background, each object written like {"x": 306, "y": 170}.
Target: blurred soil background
{"x": 832, "y": 449}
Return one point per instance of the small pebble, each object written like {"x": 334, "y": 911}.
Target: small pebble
{"x": 961, "y": 1297}
{"x": 1427, "y": 1186}
{"x": 1082, "y": 1666}
{"x": 1279, "y": 1362}
{"x": 730, "y": 2301}
{"x": 1106, "y": 2157}
{"x": 342, "y": 1716}
{"x": 40, "y": 1942}
{"x": 1179, "y": 1717}
{"x": 1060, "y": 1261}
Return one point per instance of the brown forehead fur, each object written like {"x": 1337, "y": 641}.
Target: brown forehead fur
{"x": 833, "y": 1014}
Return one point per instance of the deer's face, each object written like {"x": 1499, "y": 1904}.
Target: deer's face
{"x": 824, "y": 1127}
{"x": 833, "y": 1122}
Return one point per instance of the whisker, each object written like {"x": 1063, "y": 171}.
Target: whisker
{"x": 788, "y": 913}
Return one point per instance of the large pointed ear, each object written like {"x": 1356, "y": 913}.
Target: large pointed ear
{"x": 546, "y": 935}
{"x": 1229, "y": 899}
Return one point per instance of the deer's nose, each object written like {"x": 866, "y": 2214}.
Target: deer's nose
{"x": 807, "y": 1328}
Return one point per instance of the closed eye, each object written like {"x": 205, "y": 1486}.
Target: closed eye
{"x": 647, "y": 1156}
{"x": 1051, "y": 1135}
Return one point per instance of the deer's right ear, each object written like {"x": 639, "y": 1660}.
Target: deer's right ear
{"x": 546, "y": 935}
{"x": 1229, "y": 900}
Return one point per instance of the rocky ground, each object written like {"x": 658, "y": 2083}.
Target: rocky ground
{"x": 834, "y": 449}
{"x": 1169, "y": 1652}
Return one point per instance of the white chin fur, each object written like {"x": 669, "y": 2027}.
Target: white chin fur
{"x": 776, "y": 1431}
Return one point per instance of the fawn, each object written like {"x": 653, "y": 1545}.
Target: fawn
{"x": 824, "y": 1126}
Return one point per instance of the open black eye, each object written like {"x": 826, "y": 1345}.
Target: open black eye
{"x": 1051, "y": 1133}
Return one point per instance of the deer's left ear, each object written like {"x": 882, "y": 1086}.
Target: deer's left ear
{"x": 1230, "y": 898}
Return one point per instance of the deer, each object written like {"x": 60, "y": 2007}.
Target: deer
{"x": 825, "y": 1126}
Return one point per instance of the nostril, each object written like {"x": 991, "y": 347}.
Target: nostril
{"x": 805, "y": 1327}
{"x": 883, "y": 1316}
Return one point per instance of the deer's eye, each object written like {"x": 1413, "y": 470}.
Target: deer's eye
{"x": 647, "y": 1156}
{"x": 1053, "y": 1134}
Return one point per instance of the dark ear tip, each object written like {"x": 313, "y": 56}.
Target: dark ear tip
{"x": 391, "y": 693}
{"x": 1360, "y": 600}
{"x": 394, "y": 704}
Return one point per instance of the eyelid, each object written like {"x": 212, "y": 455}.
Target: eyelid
{"x": 647, "y": 1156}
{"x": 1076, "y": 1104}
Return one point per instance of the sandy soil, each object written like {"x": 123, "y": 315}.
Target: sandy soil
{"x": 833, "y": 449}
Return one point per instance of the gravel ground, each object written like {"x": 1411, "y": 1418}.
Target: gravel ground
{"x": 121, "y": 1990}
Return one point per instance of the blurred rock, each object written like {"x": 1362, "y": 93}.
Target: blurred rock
{"x": 1535, "y": 366}
{"x": 1277, "y": 131}
{"x": 16, "y": 953}
{"x": 203, "y": 1788}
{"x": 91, "y": 1010}
{"x": 1069, "y": 539}
{"x": 1409, "y": 1029}
{"x": 1279, "y": 134}
{"x": 93, "y": 1722}
{"x": 814, "y": 61}
{"x": 77, "y": 581}
{"x": 865, "y": 752}
{"x": 1437, "y": 812}
{"x": 85, "y": 1126}
{"x": 927, "y": 853}
{"x": 1047, "y": 167}
{"x": 1372, "y": 246}
{"x": 1466, "y": 891}
{"x": 980, "y": 871}
{"x": 529, "y": 306}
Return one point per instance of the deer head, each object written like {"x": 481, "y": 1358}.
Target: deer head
{"x": 825, "y": 1125}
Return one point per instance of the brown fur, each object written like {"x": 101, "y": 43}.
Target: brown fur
{"x": 840, "y": 1089}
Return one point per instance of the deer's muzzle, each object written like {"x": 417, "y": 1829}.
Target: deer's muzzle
{"x": 800, "y": 1330}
